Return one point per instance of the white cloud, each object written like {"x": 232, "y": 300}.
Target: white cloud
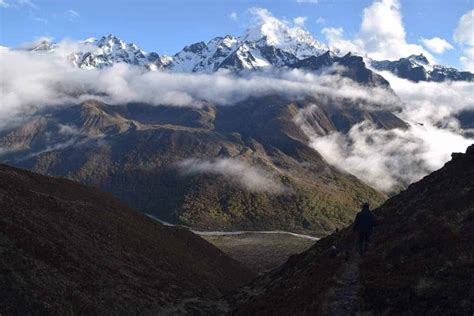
{"x": 468, "y": 59}
{"x": 27, "y": 3}
{"x": 31, "y": 82}
{"x": 336, "y": 39}
{"x": 300, "y": 20}
{"x": 72, "y": 15}
{"x": 436, "y": 45}
{"x": 388, "y": 159}
{"x": 4, "y": 4}
{"x": 233, "y": 16}
{"x": 381, "y": 34}
{"x": 17, "y": 4}
{"x": 320, "y": 20}
{"x": 464, "y": 32}
{"x": 36, "y": 41}
{"x": 464, "y": 35}
{"x": 307, "y": 1}
{"x": 247, "y": 176}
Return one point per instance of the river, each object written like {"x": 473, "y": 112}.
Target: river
{"x": 237, "y": 232}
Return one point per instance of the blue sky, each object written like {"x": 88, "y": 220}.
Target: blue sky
{"x": 167, "y": 26}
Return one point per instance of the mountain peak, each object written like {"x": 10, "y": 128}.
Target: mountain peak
{"x": 44, "y": 44}
{"x": 110, "y": 50}
{"x": 111, "y": 41}
{"x": 273, "y": 32}
{"x": 418, "y": 68}
{"x": 89, "y": 40}
{"x": 195, "y": 48}
{"x": 420, "y": 59}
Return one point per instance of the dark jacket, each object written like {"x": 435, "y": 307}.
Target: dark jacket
{"x": 364, "y": 222}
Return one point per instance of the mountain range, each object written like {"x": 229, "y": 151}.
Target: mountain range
{"x": 263, "y": 47}
{"x": 249, "y": 165}
{"x": 270, "y": 44}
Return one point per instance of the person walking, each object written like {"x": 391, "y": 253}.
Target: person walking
{"x": 364, "y": 224}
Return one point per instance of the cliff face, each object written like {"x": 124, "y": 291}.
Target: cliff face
{"x": 67, "y": 248}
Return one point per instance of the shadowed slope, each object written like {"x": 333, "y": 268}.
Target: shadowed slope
{"x": 66, "y": 248}
{"x": 420, "y": 261}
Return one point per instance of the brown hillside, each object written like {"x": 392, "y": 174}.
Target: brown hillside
{"x": 134, "y": 152}
{"x": 70, "y": 249}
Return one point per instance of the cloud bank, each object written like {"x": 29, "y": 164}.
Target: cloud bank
{"x": 388, "y": 160}
{"x": 248, "y": 177}
{"x": 31, "y": 82}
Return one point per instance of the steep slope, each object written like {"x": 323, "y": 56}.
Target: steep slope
{"x": 418, "y": 68}
{"x": 247, "y": 166}
{"x": 71, "y": 249}
{"x": 420, "y": 260}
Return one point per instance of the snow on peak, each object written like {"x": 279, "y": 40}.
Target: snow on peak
{"x": 89, "y": 40}
{"x": 41, "y": 44}
{"x": 110, "y": 50}
{"x": 110, "y": 43}
{"x": 269, "y": 43}
{"x": 419, "y": 59}
{"x": 418, "y": 68}
{"x": 271, "y": 31}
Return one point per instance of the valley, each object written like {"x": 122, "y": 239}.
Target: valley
{"x": 260, "y": 252}
{"x": 285, "y": 163}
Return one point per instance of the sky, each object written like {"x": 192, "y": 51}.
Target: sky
{"x": 167, "y": 26}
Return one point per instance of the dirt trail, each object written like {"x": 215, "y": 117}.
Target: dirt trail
{"x": 344, "y": 299}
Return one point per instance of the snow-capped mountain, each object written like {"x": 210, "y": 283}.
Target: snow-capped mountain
{"x": 44, "y": 45}
{"x": 270, "y": 44}
{"x": 418, "y": 68}
{"x": 104, "y": 52}
{"x": 292, "y": 40}
{"x": 202, "y": 57}
{"x": 110, "y": 50}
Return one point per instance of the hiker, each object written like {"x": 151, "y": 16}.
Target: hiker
{"x": 364, "y": 225}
